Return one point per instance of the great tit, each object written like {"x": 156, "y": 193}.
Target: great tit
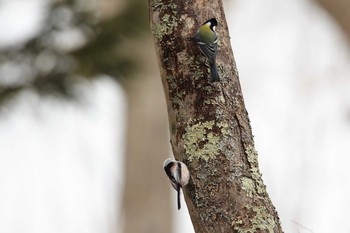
{"x": 178, "y": 175}
{"x": 208, "y": 44}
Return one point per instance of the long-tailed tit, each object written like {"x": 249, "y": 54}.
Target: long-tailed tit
{"x": 178, "y": 175}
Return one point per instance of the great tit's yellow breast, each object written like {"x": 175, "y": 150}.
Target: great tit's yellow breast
{"x": 206, "y": 34}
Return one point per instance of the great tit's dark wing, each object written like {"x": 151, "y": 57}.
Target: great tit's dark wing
{"x": 209, "y": 50}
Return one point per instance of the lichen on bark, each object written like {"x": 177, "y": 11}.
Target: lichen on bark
{"x": 200, "y": 142}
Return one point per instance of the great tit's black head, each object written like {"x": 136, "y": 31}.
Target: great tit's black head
{"x": 212, "y": 23}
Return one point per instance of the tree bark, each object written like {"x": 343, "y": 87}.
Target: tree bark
{"x": 209, "y": 125}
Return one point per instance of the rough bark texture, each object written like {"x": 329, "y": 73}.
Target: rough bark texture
{"x": 209, "y": 125}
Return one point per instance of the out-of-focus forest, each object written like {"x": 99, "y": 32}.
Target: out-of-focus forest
{"x": 296, "y": 97}
{"x": 77, "y": 40}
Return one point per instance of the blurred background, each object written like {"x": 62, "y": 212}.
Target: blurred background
{"x": 83, "y": 121}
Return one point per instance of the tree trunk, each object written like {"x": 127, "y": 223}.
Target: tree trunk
{"x": 209, "y": 125}
{"x": 339, "y": 9}
{"x": 146, "y": 196}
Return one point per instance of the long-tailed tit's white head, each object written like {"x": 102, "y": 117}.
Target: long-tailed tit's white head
{"x": 178, "y": 175}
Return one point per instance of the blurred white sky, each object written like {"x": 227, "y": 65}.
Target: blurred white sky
{"x": 294, "y": 70}
{"x": 20, "y": 20}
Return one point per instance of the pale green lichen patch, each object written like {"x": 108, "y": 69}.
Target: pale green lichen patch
{"x": 159, "y": 4}
{"x": 216, "y": 100}
{"x": 248, "y": 186}
{"x": 184, "y": 58}
{"x": 221, "y": 99}
{"x": 170, "y": 22}
{"x": 158, "y": 30}
{"x": 209, "y": 89}
{"x": 261, "y": 221}
{"x": 252, "y": 157}
{"x": 156, "y": 4}
{"x": 199, "y": 142}
{"x": 223, "y": 72}
{"x": 197, "y": 74}
{"x": 178, "y": 97}
{"x": 165, "y": 26}
{"x": 224, "y": 128}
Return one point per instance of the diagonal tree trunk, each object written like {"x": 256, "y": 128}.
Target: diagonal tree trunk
{"x": 209, "y": 125}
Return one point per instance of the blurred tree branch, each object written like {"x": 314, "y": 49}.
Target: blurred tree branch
{"x": 74, "y": 44}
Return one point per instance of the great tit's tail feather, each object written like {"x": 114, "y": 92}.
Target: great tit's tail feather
{"x": 214, "y": 73}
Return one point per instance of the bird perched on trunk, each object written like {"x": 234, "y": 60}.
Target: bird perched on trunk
{"x": 208, "y": 43}
{"x": 178, "y": 175}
